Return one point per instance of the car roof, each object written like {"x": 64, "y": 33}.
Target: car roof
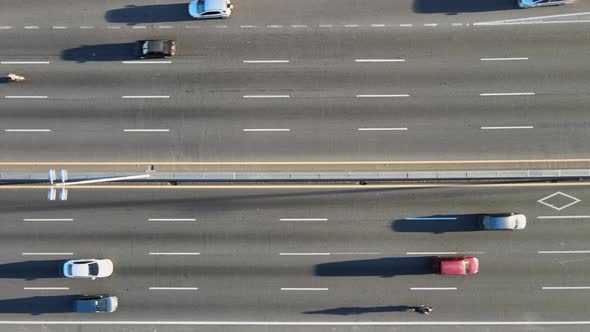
{"x": 454, "y": 266}
{"x": 214, "y": 5}
{"x": 159, "y": 46}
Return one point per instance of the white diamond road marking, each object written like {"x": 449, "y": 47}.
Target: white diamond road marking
{"x": 543, "y": 201}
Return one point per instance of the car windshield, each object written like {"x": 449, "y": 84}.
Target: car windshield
{"x": 101, "y": 305}
{"x": 200, "y": 6}
{"x": 93, "y": 269}
{"x": 467, "y": 266}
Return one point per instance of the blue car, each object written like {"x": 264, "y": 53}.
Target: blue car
{"x": 542, "y": 3}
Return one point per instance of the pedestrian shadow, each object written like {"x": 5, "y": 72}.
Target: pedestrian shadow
{"x": 102, "y": 52}
{"x": 454, "y": 7}
{"x": 381, "y": 267}
{"x": 31, "y": 270}
{"x": 160, "y": 13}
{"x": 346, "y": 311}
{"x": 38, "y": 305}
{"x": 437, "y": 224}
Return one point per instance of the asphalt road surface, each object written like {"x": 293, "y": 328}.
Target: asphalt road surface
{"x": 296, "y": 255}
{"x": 350, "y": 87}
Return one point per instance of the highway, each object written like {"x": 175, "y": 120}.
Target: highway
{"x": 297, "y": 255}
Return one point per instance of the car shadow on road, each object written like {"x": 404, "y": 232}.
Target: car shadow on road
{"x": 437, "y": 224}
{"x": 101, "y": 52}
{"x": 38, "y": 305}
{"x": 31, "y": 270}
{"x": 381, "y": 267}
{"x": 160, "y": 13}
{"x": 453, "y": 7}
{"x": 346, "y": 311}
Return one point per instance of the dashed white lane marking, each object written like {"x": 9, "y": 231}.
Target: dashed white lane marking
{"x": 535, "y": 20}
{"x": 432, "y": 218}
{"x": 25, "y": 62}
{"x": 274, "y": 26}
{"x": 31, "y": 27}
{"x": 507, "y": 127}
{"x": 113, "y": 27}
{"x": 172, "y": 219}
{"x": 406, "y": 25}
{"x": 47, "y": 253}
{"x": 303, "y": 289}
{"x": 326, "y": 25}
{"x": 504, "y": 59}
{"x": 443, "y": 252}
{"x": 456, "y": 24}
{"x": 146, "y": 97}
{"x": 48, "y": 219}
{"x": 87, "y": 27}
{"x": 173, "y": 288}
{"x": 247, "y": 26}
{"x": 383, "y": 96}
{"x": 298, "y": 26}
{"x": 351, "y": 25}
{"x": 563, "y": 217}
{"x": 379, "y": 60}
{"x": 46, "y": 288}
{"x": 146, "y": 130}
{"x": 220, "y": 26}
{"x": 59, "y": 27}
{"x": 356, "y": 324}
{"x": 564, "y": 252}
{"x": 265, "y": 96}
{"x": 382, "y": 129}
{"x": 566, "y": 288}
{"x": 304, "y": 254}
{"x": 266, "y": 61}
{"x": 265, "y": 129}
{"x": 5, "y": 27}
{"x": 174, "y": 253}
{"x": 433, "y": 288}
{"x": 430, "y": 24}
{"x": 146, "y": 62}
{"x": 358, "y": 253}
{"x": 303, "y": 219}
{"x": 507, "y": 94}
{"x": 377, "y": 25}
{"x": 531, "y": 23}
{"x": 25, "y": 97}
{"x": 138, "y": 27}
{"x": 27, "y": 130}
{"x": 166, "y": 27}
{"x": 192, "y": 27}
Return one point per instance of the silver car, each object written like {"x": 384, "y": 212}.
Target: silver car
{"x": 502, "y": 221}
{"x": 87, "y": 268}
{"x": 542, "y": 3}
{"x": 202, "y": 9}
{"x": 96, "y": 304}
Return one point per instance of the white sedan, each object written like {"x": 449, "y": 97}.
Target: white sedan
{"x": 87, "y": 268}
{"x": 210, "y": 8}
{"x": 542, "y": 3}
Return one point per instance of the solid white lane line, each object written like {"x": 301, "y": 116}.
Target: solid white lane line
{"x": 507, "y": 94}
{"x": 25, "y": 62}
{"x": 303, "y": 289}
{"x": 432, "y": 218}
{"x": 383, "y": 96}
{"x": 173, "y": 288}
{"x": 503, "y": 59}
{"x": 25, "y": 97}
{"x": 145, "y": 130}
{"x": 47, "y": 253}
{"x": 303, "y": 219}
{"x": 564, "y": 252}
{"x": 146, "y": 62}
{"x": 382, "y": 129}
{"x": 50, "y": 219}
{"x": 379, "y": 60}
{"x": 358, "y": 253}
{"x": 563, "y": 217}
{"x": 148, "y": 97}
{"x": 27, "y": 130}
{"x": 46, "y": 288}
{"x": 507, "y": 127}
{"x": 262, "y": 129}
{"x": 444, "y": 252}
{"x": 265, "y": 96}
{"x": 174, "y": 253}
{"x": 304, "y": 254}
{"x": 266, "y": 61}
{"x": 295, "y": 323}
{"x": 433, "y": 288}
{"x": 172, "y": 219}
{"x": 565, "y": 288}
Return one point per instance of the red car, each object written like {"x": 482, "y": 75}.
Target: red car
{"x": 457, "y": 265}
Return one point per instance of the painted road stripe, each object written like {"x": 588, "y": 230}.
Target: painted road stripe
{"x": 174, "y": 253}
{"x": 405, "y": 25}
{"x": 430, "y": 24}
{"x": 433, "y": 288}
{"x": 46, "y": 288}
{"x": 432, "y": 218}
{"x": 265, "y": 96}
{"x": 383, "y": 96}
{"x": 565, "y": 288}
{"x": 382, "y": 129}
{"x": 303, "y": 289}
{"x": 31, "y": 27}
{"x": 262, "y": 129}
{"x": 564, "y": 252}
{"x": 507, "y": 94}
{"x": 379, "y": 60}
{"x": 51, "y": 219}
{"x": 25, "y": 62}
{"x": 503, "y": 59}
{"x": 303, "y": 219}
{"x": 358, "y": 253}
{"x": 172, "y": 219}
{"x": 148, "y": 97}
{"x": 27, "y": 130}
{"x": 59, "y": 27}
{"x": 377, "y": 25}
{"x": 47, "y": 253}
{"x": 563, "y": 217}
{"x": 507, "y": 127}
{"x": 26, "y": 97}
{"x": 304, "y": 254}
{"x": 173, "y": 288}
{"x": 146, "y": 62}
{"x": 266, "y": 61}
{"x": 443, "y": 252}
{"x": 297, "y": 323}
{"x": 145, "y": 130}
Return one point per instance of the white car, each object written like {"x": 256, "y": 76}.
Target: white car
{"x": 502, "y": 221}
{"x": 542, "y": 3}
{"x": 201, "y": 9}
{"x": 87, "y": 268}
